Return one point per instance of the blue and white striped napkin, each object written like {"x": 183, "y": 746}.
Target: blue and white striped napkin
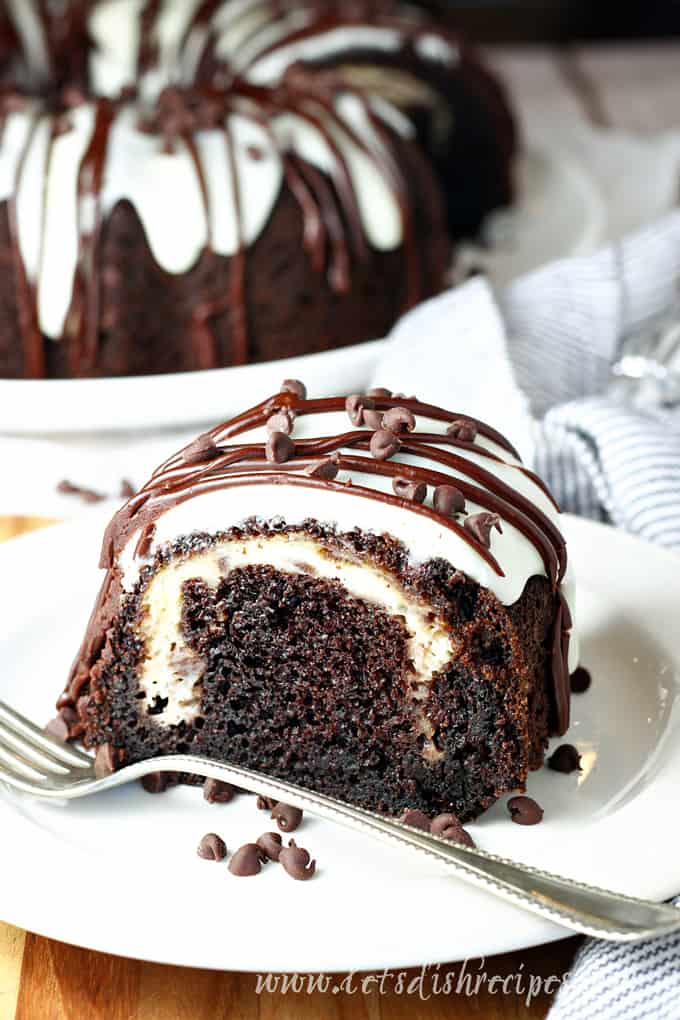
{"x": 537, "y": 360}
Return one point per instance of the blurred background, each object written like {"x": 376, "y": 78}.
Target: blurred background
{"x": 561, "y": 21}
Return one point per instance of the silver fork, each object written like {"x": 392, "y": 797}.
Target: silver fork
{"x": 37, "y": 764}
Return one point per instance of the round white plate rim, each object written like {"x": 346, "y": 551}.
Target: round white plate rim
{"x": 55, "y": 910}
{"x": 61, "y": 406}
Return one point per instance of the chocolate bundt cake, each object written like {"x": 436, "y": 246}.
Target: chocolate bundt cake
{"x": 368, "y": 596}
{"x": 186, "y": 184}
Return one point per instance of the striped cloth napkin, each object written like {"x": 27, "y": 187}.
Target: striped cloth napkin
{"x": 537, "y": 360}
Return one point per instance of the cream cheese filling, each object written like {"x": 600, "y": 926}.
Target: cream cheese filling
{"x": 171, "y": 670}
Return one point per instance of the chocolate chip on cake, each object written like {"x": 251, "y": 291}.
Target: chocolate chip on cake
{"x": 525, "y": 810}
{"x": 463, "y": 430}
{"x": 247, "y": 860}
{"x": 407, "y": 489}
{"x": 265, "y": 803}
{"x": 296, "y": 862}
{"x": 580, "y": 680}
{"x": 449, "y": 827}
{"x": 399, "y": 419}
{"x": 270, "y": 844}
{"x": 417, "y": 819}
{"x": 384, "y": 444}
{"x": 380, "y": 392}
{"x": 326, "y": 469}
{"x": 279, "y": 448}
{"x": 565, "y": 758}
{"x": 286, "y": 817}
{"x": 202, "y": 449}
{"x": 212, "y": 847}
{"x": 480, "y": 525}
{"x": 217, "y": 792}
{"x": 356, "y": 405}
{"x": 282, "y": 421}
{"x": 294, "y": 386}
{"x": 448, "y": 500}
{"x": 104, "y": 761}
{"x": 372, "y": 419}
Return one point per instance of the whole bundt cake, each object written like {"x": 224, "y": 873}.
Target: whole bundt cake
{"x": 186, "y": 184}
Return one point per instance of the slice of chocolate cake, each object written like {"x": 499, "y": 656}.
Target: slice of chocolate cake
{"x": 366, "y": 595}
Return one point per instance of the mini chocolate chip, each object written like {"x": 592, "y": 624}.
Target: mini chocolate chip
{"x": 127, "y": 489}
{"x": 373, "y": 419}
{"x": 447, "y": 826}
{"x": 200, "y": 450}
{"x": 480, "y": 525}
{"x": 155, "y": 782}
{"x": 525, "y": 810}
{"x": 212, "y": 847}
{"x": 383, "y": 444}
{"x": 399, "y": 419}
{"x": 270, "y": 844}
{"x": 265, "y": 803}
{"x": 58, "y": 728}
{"x": 282, "y": 421}
{"x": 286, "y": 817}
{"x": 418, "y": 819}
{"x": 580, "y": 680}
{"x": 104, "y": 761}
{"x": 217, "y": 792}
{"x": 465, "y": 431}
{"x": 296, "y": 862}
{"x": 67, "y": 488}
{"x": 294, "y": 386}
{"x": 247, "y": 860}
{"x": 279, "y": 448}
{"x": 326, "y": 469}
{"x": 565, "y": 758}
{"x": 355, "y": 405}
{"x": 449, "y": 500}
{"x": 406, "y": 489}
{"x": 380, "y": 392}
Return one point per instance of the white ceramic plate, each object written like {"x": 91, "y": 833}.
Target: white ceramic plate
{"x": 559, "y": 213}
{"x": 119, "y": 872}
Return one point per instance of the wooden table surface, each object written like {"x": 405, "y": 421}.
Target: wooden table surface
{"x": 634, "y": 88}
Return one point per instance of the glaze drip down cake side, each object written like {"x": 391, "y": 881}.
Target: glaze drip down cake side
{"x": 280, "y": 177}
{"x": 367, "y": 596}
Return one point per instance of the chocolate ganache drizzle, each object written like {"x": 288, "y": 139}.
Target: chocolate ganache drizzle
{"x": 419, "y": 460}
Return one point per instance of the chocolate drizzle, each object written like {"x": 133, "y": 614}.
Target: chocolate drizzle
{"x": 445, "y": 461}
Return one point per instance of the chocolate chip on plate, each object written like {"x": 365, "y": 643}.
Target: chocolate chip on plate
{"x": 156, "y": 782}
{"x": 565, "y": 758}
{"x": 270, "y": 844}
{"x": 448, "y": 826}
{"x": 212, "y": 847}
{"x": 296, "y": 862}
{"x": 217, "y": 792}
{"x": 286, "y": 817}
{"x": 265, "y": 803}
{"x": 417, "y": 819}
{"x": 247, "y": 860}
{"x": 580, "y": 680}
{"x": 525, "y": 810}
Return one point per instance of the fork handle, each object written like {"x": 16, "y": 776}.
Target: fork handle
{"x": 579, "y": 907}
